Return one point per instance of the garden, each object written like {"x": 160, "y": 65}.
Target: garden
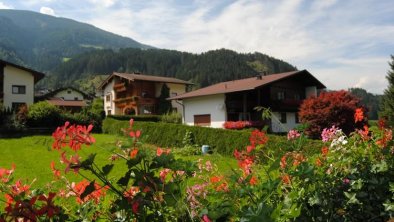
{"x": 155, "y": 171}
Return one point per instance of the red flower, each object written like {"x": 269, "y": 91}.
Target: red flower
{"x": 74, "y": 136}
{"x": 258, "y": 137}
{"x": 131, "y": 192}
{"x": 286, "y": 179}
{"x": 5, "y": 174}
{"x": 358, "y": 115}
{"x": 55, "y": 171}
{"x": 324, "y": 151}
{"x": 205, "y": 218}
{"x": 215, "y": 179}
{"x": 133, "y": 153}
{"x": 135, "y": 206}
{"x": 73, "y": 162}
{"x": 222, "y": 187}
{"x": 163, "y": 174}
{"x": 49, "y": 208}
{"x": 80, "y": 187}
{"x": 283, "y": 162}
{"x": 253, "y": 181}
{"x": 250, "y": 148}
{"x": 160, "y": 151}
{"x": 135, "y": 134}
{"x": 318, "y": 162}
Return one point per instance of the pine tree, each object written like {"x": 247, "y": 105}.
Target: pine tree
{"x": 387, "y": 105}
{"x": 164, "y": 104}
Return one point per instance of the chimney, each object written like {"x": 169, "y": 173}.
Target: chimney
{"x": 260, "y": 75}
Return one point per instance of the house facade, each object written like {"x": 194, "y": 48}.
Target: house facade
{"x": 137, "y": 94}
{"x": 17, "y": 84}
{"x": 67, "y": 98}
{"x": 235, "y": 100}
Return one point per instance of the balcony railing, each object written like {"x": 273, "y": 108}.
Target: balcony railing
{"x": 125, "y": 99}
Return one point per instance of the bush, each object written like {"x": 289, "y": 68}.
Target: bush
{"x": 330, "y": 109}
{"x": 139, "y": 118}
{"x": 220, "y": 140}
{"x": 172, "y": 117}
{"x": 44, "y": 114}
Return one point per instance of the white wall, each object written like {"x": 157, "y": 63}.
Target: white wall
{"x": 109, "y": 105}
{"x": 178, "y": 89}
{"x": 213, "y": 105}
{"x": 310, "y": 91}
{"x": 277, "y": 126}
{"x": 15, "y": 76}
{"x": 66, "y": 96}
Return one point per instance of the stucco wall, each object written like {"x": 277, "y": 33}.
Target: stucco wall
{"x": 178, "y": 89}
{"x": 109, "y": 105}
{"x": 15, "y": 76}
{"x": 66, "y": 96}
{"x": 213, "y": 105}
{"x": 277, "y": 126}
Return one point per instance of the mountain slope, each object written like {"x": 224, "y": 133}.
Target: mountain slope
{"x": 202, "y": 69}
{"x": 43, "y": 41}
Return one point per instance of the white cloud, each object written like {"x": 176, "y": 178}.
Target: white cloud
{"x": 103, "y": 3}
{"x": 47, "y": 11}
{"x": 4, "y": 6}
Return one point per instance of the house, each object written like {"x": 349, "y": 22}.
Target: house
{"x": 137, "y": 94}
{"x": 17, "y": 84}
{"x": 67, "y": 98}
{"x": 235, "y": 100}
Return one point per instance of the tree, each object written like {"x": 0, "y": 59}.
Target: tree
{"x": 387, "y": 105}
{"x": 330, "y": 108}
{"x": 164, "y": 104}
{"x": 368, "y": 100}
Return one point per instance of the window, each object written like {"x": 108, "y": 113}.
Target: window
{"x": 18, "y": 89}
{"x": 297, "y": 118}
{"x": 174, "y": 94}
{"x": 68, "y": 91}
{"x": 281, "y": 95}
{"x": 202, "y": 120}
{"x": 297, "y": 96}
{"x": 108, "y": 98}
{"x": 283, "y": 118}
{"x": 174, "y": 109}
{"x": 109, "y": 112}
{"x": 76, "y": 98}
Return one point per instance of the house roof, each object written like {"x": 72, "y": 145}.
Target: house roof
{"x": 60, "y": 102}
{"x": 51, "y": 94}
{"x": 137, "y": 76}
{"x": 37, "y": 75}
{"x": 247, "y": 84}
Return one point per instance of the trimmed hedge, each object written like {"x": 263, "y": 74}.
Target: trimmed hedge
{"x": 147, "y": 118}
{"x": 221, "y": 140}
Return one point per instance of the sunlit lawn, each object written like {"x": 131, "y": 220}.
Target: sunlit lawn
{"x": 33, "y": 155}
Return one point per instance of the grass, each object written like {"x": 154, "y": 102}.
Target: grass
{"x": 33, "y": 155}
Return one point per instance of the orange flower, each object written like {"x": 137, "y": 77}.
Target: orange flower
{"x": 160, "y": 151}
{"x": 133, "y": 153}
{"x": 215, "y": 179}
{"x": 358, "y": 115}
{"x": 324, "y": 151}
{"x": 318, "y": 162}
{"x": 283, "y": 162}
{"x": 222, "y": 187}
{"x": 286, "y": 179}
{"x": 253, "y": 181}
{"x": 55, "y": 171}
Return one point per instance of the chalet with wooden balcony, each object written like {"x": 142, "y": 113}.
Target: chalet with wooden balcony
{"x": 17, "y": 84}
{"x": 136, "y": 94}
{"x": 235, "y": 100}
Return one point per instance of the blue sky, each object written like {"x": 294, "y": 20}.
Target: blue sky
{"x": 344, "y": 43}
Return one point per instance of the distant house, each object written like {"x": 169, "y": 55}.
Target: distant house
{"x": 67, "y": 98}
{"x": 17, "y": 84}
{"x": 138, "y": 94}
{"x": 236, "y": 100}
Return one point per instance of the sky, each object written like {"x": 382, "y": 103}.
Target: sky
{"x": 343, "y": 43}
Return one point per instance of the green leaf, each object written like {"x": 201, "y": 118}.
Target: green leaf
{"x": 275, "y": 165}
{"x": 107, "y": 169}
{"x": 88, "y": 190}
{"x": 379, "y": 167}
{"x": 123, "y": 181}
{"x": 88, "y": 161}
{"x": 352, "y": 198}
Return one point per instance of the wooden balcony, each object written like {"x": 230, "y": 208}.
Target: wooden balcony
{"x": 119, "y": 87}
{"x": 125, "y": 99}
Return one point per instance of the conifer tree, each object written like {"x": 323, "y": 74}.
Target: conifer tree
{"x": 387, "y": 105}
{"x": 164, "y": 104}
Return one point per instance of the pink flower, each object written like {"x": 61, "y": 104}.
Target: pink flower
{"x": 205, "y": 218}
{"x": 293, "y": 134}
{"x": 163, "y": 174}
{"x": 328, "y": 134}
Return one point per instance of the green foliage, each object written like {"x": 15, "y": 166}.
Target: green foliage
{"x": 220, "y": 140}
{"x": 387, "y": 105}
{"x": 44, "y": 114}
{"x": 171, "y": 117}
{"x": 139, "y": 118}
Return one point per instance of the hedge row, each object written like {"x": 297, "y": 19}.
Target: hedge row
{"x": 221, "y": 140}
{"x": 147, "y": 118}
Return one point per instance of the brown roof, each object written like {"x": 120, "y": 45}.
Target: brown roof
{"x": 136, "y": 76}
{"x": 37, "y": 75}
{"x": 60, "y": 102}
{"x": 245, "y": 84}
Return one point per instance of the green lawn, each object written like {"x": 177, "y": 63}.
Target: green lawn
{"x": 32, "y": 156}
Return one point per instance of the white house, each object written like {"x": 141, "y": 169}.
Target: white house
{"x": 235, "y": 100}
{"x": 134, "y": 93}
{"x": 68, "y": 98}
{"x": 17, "y": 84}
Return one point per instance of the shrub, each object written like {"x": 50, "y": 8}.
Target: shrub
{"x": 44, "y": 114}
{"x": 171, "y": 117}
{"x": 139, "y": 118}
{"x": 330, "y": 109}
{"x": 220, "y": 140}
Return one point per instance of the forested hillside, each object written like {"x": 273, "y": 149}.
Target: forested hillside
{"x": 202, "y": 69}
{"x": 43, "y": 42}
{"x": 369, "y": 100}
